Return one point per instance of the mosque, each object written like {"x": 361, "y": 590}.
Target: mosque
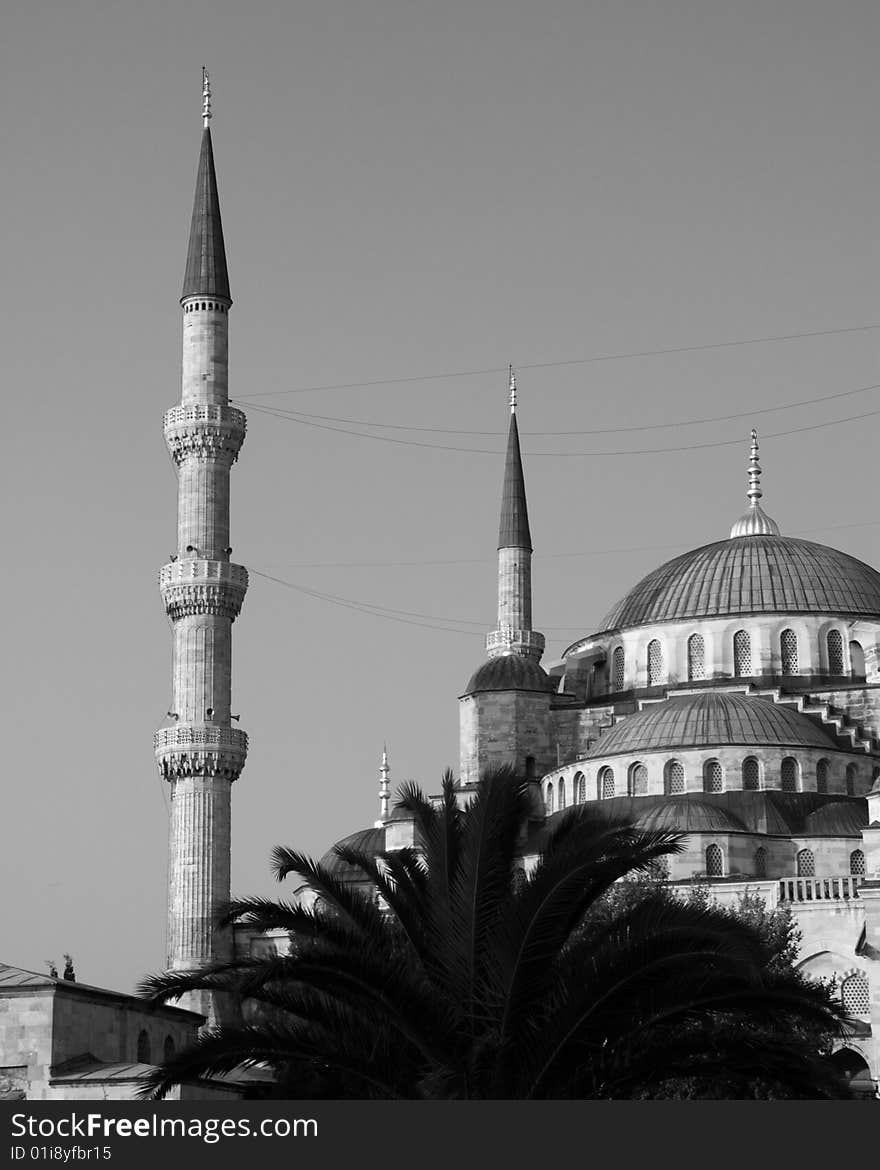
{"x": 733, "y": 694}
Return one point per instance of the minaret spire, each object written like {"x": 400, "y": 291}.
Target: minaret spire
{"x": 201, "y": 754}
{"x": 514, "y": 634}
{"x": 754, "y": 522}
{"x": 206, "y": 273}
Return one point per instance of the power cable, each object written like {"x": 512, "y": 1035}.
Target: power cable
{"x": 562, "y": 454}
{"x": 298, "y": 415}
{"x": 606, "y": 357}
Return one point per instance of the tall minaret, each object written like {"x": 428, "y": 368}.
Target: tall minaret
{"x": 514, "y": 633}
{"x": 201, "y": 754}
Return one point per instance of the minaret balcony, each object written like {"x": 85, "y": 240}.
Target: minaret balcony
{"x": 204, "y": 430}
{"x": 203, "y": 587}
{"x": 200, "y": 750}
{"x": 507, "y": 640}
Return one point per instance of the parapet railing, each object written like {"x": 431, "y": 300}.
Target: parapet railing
{"x": 818, "y": 889}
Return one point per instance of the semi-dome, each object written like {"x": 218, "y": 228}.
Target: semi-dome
{"x": 751, "y": 575}
{"x": 369, "y": 841}
{"x": 709, "y": 719}
{"x": 509, "y": 672}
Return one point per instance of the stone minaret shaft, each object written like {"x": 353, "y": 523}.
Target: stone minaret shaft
{"x": 514, "y": 633}
{"x": 201, "y": 754}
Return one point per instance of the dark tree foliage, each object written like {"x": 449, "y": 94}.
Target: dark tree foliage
{"x": 780, "y": 935}
{"x": 461, "y": 978}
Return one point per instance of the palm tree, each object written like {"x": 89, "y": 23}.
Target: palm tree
{"x": 460, "y": 977}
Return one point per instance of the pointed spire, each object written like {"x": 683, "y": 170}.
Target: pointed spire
{"x": 206, "y": 273}
{"x": 513, "y": 531}
{"x": 754, "y": 522}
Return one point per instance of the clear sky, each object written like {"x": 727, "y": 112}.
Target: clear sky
{"x": 409, "y": 189}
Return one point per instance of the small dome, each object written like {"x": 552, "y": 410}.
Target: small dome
{"x": 371, "y": 841}
{"x": 843, "y": 818}
{"x": 685, "y": 814}
{"x": 509, "y": 672}
{"x": 709, "y": 719}
{"x": 750, "y": 574}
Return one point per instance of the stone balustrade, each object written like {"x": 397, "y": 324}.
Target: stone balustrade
{"x": 199, "y": 586}
{"x": 205, "y": 430}
{"x": 816, "y": 889}
{"x": 506, "y": 639}
{"x": 200, "y": 750}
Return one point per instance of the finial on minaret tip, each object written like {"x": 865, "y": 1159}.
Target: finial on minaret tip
{"x": 755, "y": 522}
{"x": 206, "y": 97}
{"x": 511, "y": 384}
{"x": 384, "y": 789}
{"x": 754, "y": 492}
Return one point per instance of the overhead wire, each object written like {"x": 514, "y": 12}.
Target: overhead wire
{"x": 297, "y": 415}
{"x": 606, "y": 357}
{"x": 563, "y": 454}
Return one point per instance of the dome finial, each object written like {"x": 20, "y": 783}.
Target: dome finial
{"x": 511, "y": 383}
{"x": 384, "y": 789}
{"x": 754, "y": 522}
{"x": 206, "y": 97}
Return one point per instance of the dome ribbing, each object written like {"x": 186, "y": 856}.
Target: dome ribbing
{"x": 751, "y": 574}
{"x": 710, "y": 719}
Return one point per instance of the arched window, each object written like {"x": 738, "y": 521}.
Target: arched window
{"x": 655, "y": 663}
{"x": 835, "y": 652}
{"x": 606, "y": 783}
{"x": 696, "y": 657}
{"x": 857, "y": 863}
{"x": 851, "y": 773}
{"x": 751, "y": 774}
{"x": 618, "y": 669}
{"x": 788, "y": 775}
{"x": 580, "y": 788}
{"x": 788, "y": 646}
{"x": 806, "y": 863}
{"x": 561, "y": 793}
{"x": 638, "y": 780}
{"x": 143, "y": 1049}
{"x": 713, "y": 777}
{"x": 548, "y": 799}
{"x": 760, "y": 862}
{"x": 714, "y": 861}
{"x": 856, "y": 996}
{"x": 742, "y": 654}
{"x": 822, "y": 776}
{"x": 857, "y": 659}
{"x": 673, "y": 778}
{"x": 168, "y": 1048}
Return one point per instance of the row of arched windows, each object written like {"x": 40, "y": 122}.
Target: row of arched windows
{"x": 743, "y": 666}
{"x": 194, "y": 306}
{"x": 806, "y": 863}
{"x": 752, "y": 775}
{"x": 144, "y": 1048}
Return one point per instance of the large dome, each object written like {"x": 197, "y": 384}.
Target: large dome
{"x": 751, "y": 574}
{"x": 710, "y": 719}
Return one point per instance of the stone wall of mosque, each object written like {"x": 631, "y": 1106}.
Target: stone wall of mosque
{"x": 505, "y": 727}
{"x": 766, "y": 648}
{"x": 714, "y": 769}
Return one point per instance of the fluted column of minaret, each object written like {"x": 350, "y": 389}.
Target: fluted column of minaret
{"x": 514, "y": 633}
{"x": 202, "y": 754}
